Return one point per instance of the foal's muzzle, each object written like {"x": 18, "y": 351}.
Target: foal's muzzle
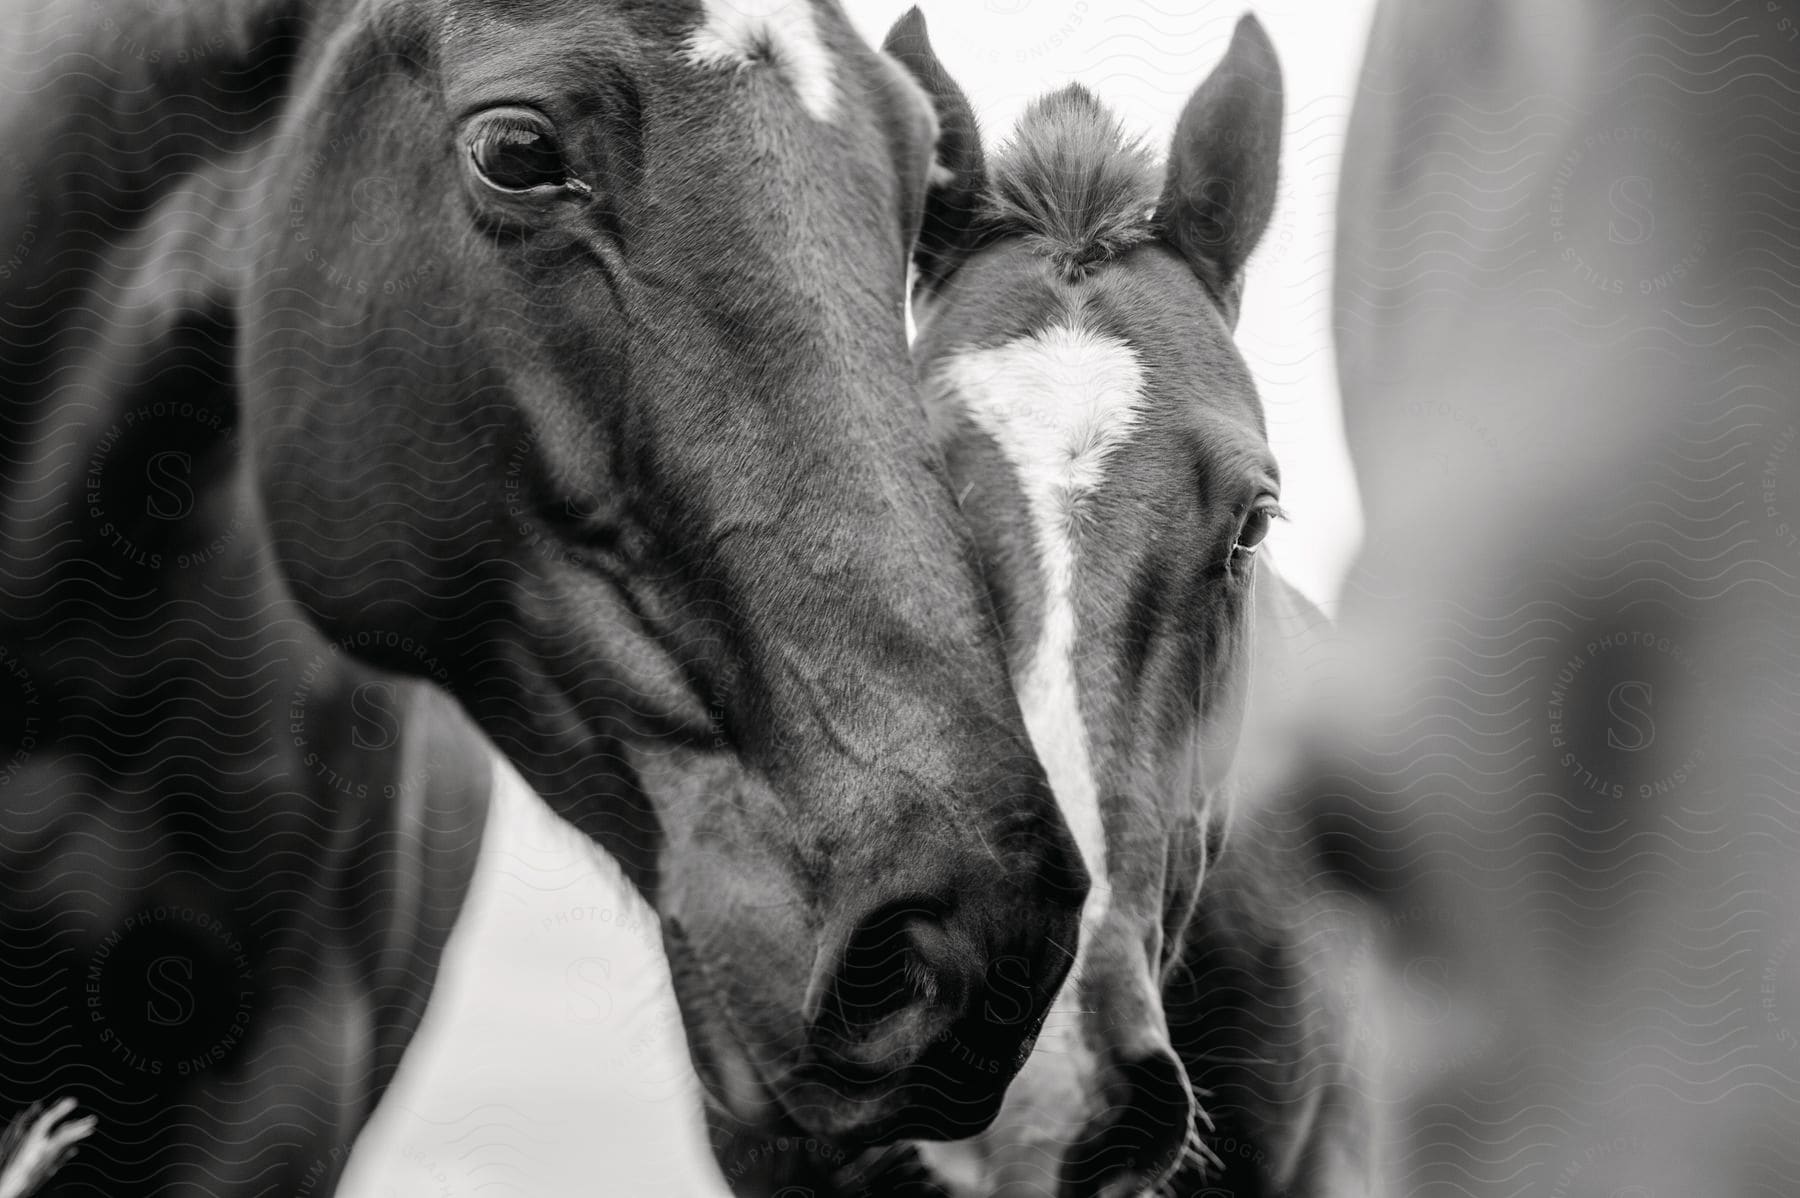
{"x": 1146, "y": 1111}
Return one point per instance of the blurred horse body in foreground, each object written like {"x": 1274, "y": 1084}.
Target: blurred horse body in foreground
{"x": 1562, "y": 760}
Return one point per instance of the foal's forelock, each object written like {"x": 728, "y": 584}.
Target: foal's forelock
{"x": 1072, "y": 184}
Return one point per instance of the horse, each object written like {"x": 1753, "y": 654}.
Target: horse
{"x": 389, "y": 378}
{"x": 1563, "y": 775}
{"x": 1075, "y": 302}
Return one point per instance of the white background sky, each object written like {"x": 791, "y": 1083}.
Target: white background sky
{"x": 551, "y": 1063}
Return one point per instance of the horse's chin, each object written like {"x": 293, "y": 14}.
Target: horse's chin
{"x": 877, "y": 1115}
{"x": 753, "y": 1093}
{"x": 731, "y": 1077}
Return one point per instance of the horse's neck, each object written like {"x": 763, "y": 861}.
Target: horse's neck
{"x": 117, "y": 106}
{"x": 192, "y": 39}
{"x": 143, "y": 68}
{"x": 128, "y": 359}
{"x": 129, "y": 274}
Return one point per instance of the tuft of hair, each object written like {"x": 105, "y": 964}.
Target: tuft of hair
{"x": 1073, "y": 183}
{"x": 37, "y": 1143}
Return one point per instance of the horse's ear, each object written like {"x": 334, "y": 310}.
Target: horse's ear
{"x": 959, "y": 168}
{"x": 1224, "y": 163}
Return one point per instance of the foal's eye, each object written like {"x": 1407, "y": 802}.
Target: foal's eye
{"x": 1254, "y": 530}
{"x": 516, "y": 149}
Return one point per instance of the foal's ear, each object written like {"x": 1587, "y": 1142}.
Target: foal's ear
{"x": 1220, "y": 189}
{"x": 959, "y": 169}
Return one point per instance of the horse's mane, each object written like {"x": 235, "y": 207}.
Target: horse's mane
{"x": 178, "y": 40}
{"x": 1073, "y": 183}
{"x": 141, "y": 86}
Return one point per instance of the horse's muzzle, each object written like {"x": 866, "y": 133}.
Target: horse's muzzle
{"x": 924, "y": 1011}
{"x": 1145, "y": 1116}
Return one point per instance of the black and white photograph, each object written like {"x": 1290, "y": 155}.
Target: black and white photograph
{"x": 890, "y": 599}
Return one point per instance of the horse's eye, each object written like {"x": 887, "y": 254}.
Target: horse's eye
{"x": 1255, "y": 530}
{"x": 516, "y": 150}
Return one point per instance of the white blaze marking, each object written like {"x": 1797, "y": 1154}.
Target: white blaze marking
{"x": 737, "y": 33}
{"x": 1057, "y": 403}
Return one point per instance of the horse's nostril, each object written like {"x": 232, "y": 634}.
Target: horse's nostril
{"x": 1145, "y": 1115}
{"x": 894, "y": 985}
{"x": 880, "y": 971}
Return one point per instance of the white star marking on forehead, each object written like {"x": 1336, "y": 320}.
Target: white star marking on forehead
{"x": 783, "y": 33}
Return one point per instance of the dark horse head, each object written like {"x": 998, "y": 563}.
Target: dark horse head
{"x": 1076, "y": 303}
{"x": 622, "y": 422}
{"x": 567, "y": 348}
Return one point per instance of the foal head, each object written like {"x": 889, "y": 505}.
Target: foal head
{"x": 1076, "y": 301}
